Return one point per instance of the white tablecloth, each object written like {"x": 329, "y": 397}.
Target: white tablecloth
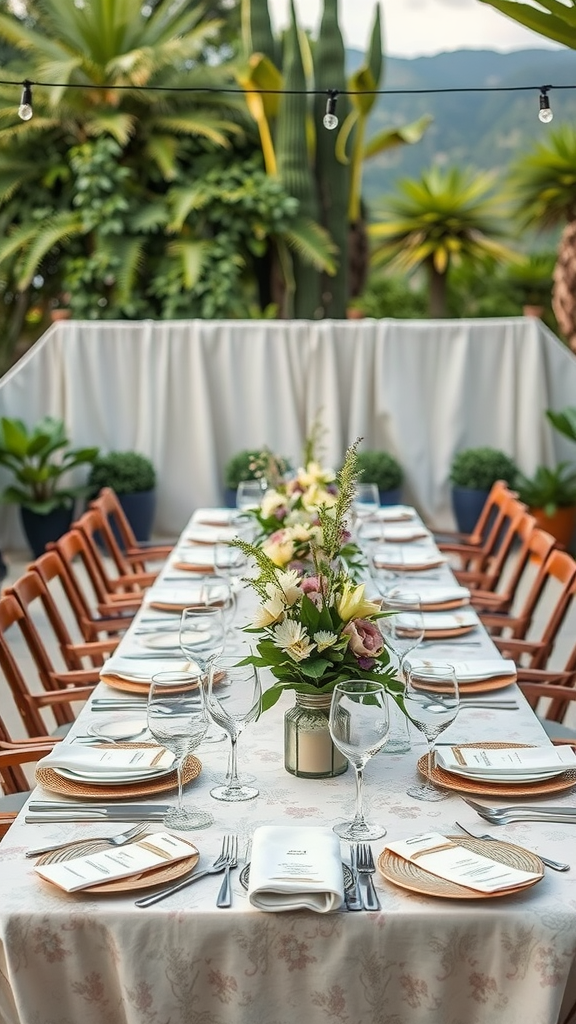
{"x": 66, "y": 959}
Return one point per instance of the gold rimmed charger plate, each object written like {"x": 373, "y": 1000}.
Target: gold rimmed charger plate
{"x": 444, "y": 606}
{"x": 411, "y": 876}
{"x": 145, "y": 880}
{"x": 483, "y": 685}
{"x": 413, "y": 567}
{"x": 140, "y": 686}
{"x": 448, "y": 780}
{"x": 50, "y": 779}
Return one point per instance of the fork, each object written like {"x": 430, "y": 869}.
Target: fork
{"x": 119, "y": 840}
{"x": 365, "y": 867}
{"x": 556, "y": 865}
{"x": 353, "y": 897}
{"x": 527, "y": 812}
{"x": 224, "y": 898}
{"x": 214, "y": 869}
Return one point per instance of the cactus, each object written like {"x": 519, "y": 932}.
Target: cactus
{"x": 332, "y": 175}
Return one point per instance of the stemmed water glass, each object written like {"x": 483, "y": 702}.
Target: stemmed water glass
{"x": 403, "y": 629}
{"x": 431, "y": 701}
{"x": 365, "y": 504}
{"x": 230, "y": 564}
{"x": 359, "y": 726}
{"x": 242, "y": 705}
{"x": 177, "y": 718}
{"x": 202, "y": 637}
{"x": 249, "y": 495}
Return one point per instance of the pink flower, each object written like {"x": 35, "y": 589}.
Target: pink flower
{"x": 310, "y": 585}
{"x": 365, "y": 642}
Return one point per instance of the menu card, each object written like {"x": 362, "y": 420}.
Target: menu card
{"x": 296, "y": 869}
{"x": 440, "y": 856}
{"x": 152, "y": 851}
{"x": 482, "y": 760}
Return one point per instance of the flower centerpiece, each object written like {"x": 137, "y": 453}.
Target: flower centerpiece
{"x": 316, "y": 629}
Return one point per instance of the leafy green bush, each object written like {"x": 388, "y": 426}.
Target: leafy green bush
{"x": 39, "y": 457}
{"x": 124, "y": 472}
{"x": 479, "y": 468}
{"x": 380, "y": 468}
{"x": 548, "y": 489}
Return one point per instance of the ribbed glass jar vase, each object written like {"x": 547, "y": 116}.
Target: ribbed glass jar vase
{"x": 309, "y": 751}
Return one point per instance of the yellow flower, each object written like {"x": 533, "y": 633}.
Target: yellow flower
{"x": 353, "y": 605}
{"x": 292, "y": 637}
{"x": 288, "y": 583}
{"x": 316, "y": 495}
{"x": 280, "y": 549}
{"x": 270, "y": 502}
{"x": 315, "y": 474}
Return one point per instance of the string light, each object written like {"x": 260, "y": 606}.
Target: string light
{"x": 545, "y": 113}
{"x": 25, "y": 109}
{"x": 330, "y": 121}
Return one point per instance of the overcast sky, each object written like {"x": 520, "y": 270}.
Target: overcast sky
{"x": 416, "y": 27}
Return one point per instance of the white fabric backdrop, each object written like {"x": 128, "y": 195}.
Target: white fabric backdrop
{"x": 192, "y": 393}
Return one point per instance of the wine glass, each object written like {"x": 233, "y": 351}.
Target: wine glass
{"x": 230, "y": 564}
{"x": 365, "y": 504}
{"x": 241, "y": 706}
{"x": 202, "y": 637}
{"x": 249, "y": 495}
{"x": 359, "y": 726}
{"x": 177, "y": 718}
{"x": 403, "y": 625}
{"x": 431, "y": 701}
{"x": 218, "y": 593}
{"x": 386, "y": 564}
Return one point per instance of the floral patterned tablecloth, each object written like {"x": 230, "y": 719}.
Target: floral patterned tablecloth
{"x": 66, "y": 959}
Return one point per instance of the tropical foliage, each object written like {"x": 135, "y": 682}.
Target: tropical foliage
{"x": 446, "y": 217}
{"x": 555, "y": 19}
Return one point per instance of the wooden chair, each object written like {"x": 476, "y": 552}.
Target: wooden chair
{"x": 121, "y": 581}
{"x": 489, "y": 577}
{"x": 136, "y": 552}
{"x": 551, "y": 701}
{"x": 474, "y": 549}
{"x": 36, "y": 599}
{"x": 542, "y": 612}
{"x": 99, "y": 612}
{"x": 13, "y": 782}
{"x": 21, "y": 648}
{"x": 509, "y": 567}
{"x": 71, "y": 589}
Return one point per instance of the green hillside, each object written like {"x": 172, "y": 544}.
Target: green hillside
{"x": 485, "y": 130}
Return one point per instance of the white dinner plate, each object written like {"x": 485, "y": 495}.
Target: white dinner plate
{"x": 118, "y": 729}
{"x": 495, "y": 777}
{"x": 162, "y": 641}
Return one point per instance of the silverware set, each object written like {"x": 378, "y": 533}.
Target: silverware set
{"x": 556, "y": 865}
{"x": 523, "y": 812}
{"x": 55, "y": 811}
{"x": 363, "y": 895}
{"x": 227, "y": 855}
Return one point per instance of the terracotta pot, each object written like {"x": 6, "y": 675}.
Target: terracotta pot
{"x": 561, "y": 525}
{"x": 537, "y": 311}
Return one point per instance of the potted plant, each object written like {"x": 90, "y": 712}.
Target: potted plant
{"x": 472, "y": 473}
{"x": 382, "y": 469}
{"x": 133, "y": 477}
{"x": 40, "y": 459}
{"x": 551, "y": 497}
{"x": 252, "y": 464}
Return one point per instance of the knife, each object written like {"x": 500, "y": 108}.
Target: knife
{"x": 91, "y": 815}
{"x": 47, "y": 806}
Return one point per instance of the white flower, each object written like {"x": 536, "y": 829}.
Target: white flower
{"x": 292, "y": 637}
{"x": 271, "y": 501}
{"x": 325, "y": 639}
{"x": 288, "y": 583}
{"x": 270, "y": 611}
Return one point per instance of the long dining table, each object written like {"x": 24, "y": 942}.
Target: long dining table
{"x": 100, "y": 959}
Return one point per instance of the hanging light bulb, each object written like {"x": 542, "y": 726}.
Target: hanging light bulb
{"x": 330, "y": 121}
{"x": 25, "y": 109}
{"x": 545, "y": 113}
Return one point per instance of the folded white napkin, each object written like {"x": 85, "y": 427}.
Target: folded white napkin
{"x": 434, "y": 621}
{"x": 177, "y": 596}
{"x": 215, "y": 516}
{"x": 296, "y": 868}
{"x": 485, "y": 761}
{"x": 204, "y": 534}
{"x": 439, "y": 593}
{"x": 110, "y": 763}
{"x": 142, "y": 669}
{"x": 392, "y": 513}
{"x": 408, "y": 558}
{"x": 404, "y": 531}
{"x": 196, "y": 554}
{"x": 473, "y": 671}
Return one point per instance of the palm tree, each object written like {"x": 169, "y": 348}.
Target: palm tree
{"x": 106, "y": 57}
{"x": 543, "y": 183}
{"x": 556, "y": 21}
{"x": 446, "y": 217}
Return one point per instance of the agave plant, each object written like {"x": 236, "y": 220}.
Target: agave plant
{"x": 446, "y": 217}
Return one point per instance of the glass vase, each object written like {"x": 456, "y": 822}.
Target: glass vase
{"x": 309, "y": 751}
